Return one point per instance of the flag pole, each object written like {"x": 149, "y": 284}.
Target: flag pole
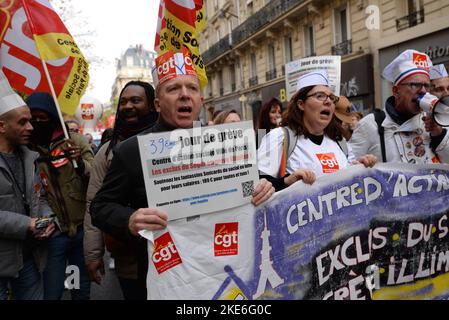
{"x": 50, "y": 83}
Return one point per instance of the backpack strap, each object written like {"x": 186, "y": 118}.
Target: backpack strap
{"x": 288, "y": 145}
{"x": 379, "y": 116}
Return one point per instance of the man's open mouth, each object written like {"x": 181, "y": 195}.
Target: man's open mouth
{"x": 185, "y": 109}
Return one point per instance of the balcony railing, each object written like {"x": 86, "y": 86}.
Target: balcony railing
{"x": 271, "y": 74}
{"x": 273, "y": 10}
{"x": 411, "y": 20}
{"x": 342, "y": 48}
{"x": 217, "y": 49}
{"x": 253, "y": 81}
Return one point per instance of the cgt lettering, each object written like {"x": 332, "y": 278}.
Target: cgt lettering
{"x": 226, "y": 240}
{"x": 165, "y": 254}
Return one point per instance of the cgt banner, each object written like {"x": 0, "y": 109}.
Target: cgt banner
{"x": 379, "y": 233}
{"x": 30, "y": 31}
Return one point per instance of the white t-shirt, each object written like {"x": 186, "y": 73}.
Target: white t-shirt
{"x": 324, "y": 158}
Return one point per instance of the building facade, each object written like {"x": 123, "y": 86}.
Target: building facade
{"x": 247, "y": 43}
{"x": 135, "y": 64}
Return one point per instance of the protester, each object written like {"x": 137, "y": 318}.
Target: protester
{"x": 439, "y": 80}
{"x": 270, "y": 115}
{"x": 23, "y": 202}
{"x": 90, "y": 140}
{"x": 66, "y": 187}
{"x": 136, "y": 112}
{"x": 227, "y": 116}
{"x": 343, "y": 115}
{"x": 312, "y": 133}
{"x": 120, "y": 207}
{"x": 106, "y": 136}
{"x": 214, "y": 116}
{"x": 406, "y": 135}
{"x": 73, "y": 126}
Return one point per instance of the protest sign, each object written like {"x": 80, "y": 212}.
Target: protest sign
{"x": 200, "y": 170}
{"x": 379, "y": 233}
{"x": 297, "y": 68}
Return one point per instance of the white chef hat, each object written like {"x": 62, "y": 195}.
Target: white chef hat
{"x": 437, "y": 72}
{"x": 9, "y": 100}
{"x": 408, "y": 63}
{"x": 313, "y": 78}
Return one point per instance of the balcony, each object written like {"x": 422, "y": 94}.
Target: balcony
{"x": 217, "y": 49}
{"x": 411, "y": 20}
{"x": 342, "y": 48}
{"x": 253, "y": 81}
{"x": 271, "y": 74}
{"x": 273, "y": 10}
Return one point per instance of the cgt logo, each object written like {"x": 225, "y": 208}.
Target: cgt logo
{"x": 172, "y": 64}
{"x": 328, "y": 162}
{"x": 87, "y": 111}
{"x": 226, "y": 239}
{"x": 165, "y": 254}
{"x": 420, "y": 60}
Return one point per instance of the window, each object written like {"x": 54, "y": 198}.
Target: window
{"x": 232, "y": 76}
{"x": 220, "y": 82}
{"x": 309, "y": 41}
{"x": 414, "y": 14}
{"x": 341, "y": 25}
{"x": 414, "y": 6}
{"x": 271, "y": 57}
{"x": 218, "y": 34}
{"x": 288, "y": 49}
{"x": 253, "y": 65}
{"x": 249, "y": 8}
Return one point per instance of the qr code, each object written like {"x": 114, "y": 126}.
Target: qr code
{"x": 247, "y": 188}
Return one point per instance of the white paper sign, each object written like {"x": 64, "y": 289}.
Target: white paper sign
{"x": 200, "y": 170}
{"x": 297, "y": 68}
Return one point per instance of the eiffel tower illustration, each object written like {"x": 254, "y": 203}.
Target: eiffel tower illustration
{"x": 267, "y": 272}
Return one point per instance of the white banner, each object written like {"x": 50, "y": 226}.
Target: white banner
{"x": 357, "y": 234}
{"x": 297, "y": 68}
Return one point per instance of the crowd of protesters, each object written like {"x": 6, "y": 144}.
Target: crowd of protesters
{"x": 64, "y": 203}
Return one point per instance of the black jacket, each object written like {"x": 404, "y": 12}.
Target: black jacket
{"x": 123, "y": 189}
{"x": 122, "y": 193}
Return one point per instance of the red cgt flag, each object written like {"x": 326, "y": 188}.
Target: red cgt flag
{"x": 30, "y": 30}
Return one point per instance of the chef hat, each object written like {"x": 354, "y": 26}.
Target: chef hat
{"x": 171, "y": 65}
{"x": 313, "y": 78}
{"x": 437, "y": 72}
{"x": 408, "y": 63}
{"x": 9, "y": 100}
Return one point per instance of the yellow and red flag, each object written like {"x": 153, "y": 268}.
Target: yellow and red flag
{"x": 179, "y": 23}
{"x": 30, "y": 30}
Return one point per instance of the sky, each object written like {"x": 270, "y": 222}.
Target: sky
{"x": 117, "y": 25}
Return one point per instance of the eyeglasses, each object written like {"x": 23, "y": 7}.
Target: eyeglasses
{"x": 440, "y": 89}
{"x": 74, "y": 130}
{"x": 321, "y": 96}
{"x": 416, "y": 85}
